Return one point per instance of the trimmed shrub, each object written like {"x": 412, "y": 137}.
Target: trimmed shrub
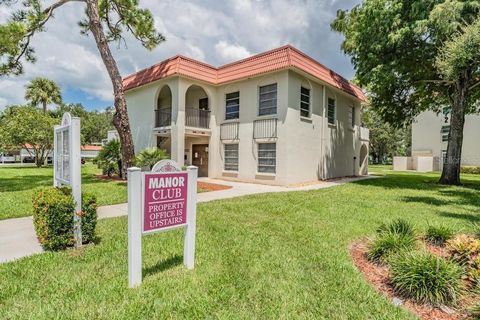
{"x": 89, "y": 217}
{"x": 470, "y": 169}
{"x": 426, "y": 278}
{"x": 53, "y": 218}
{"x": 438, "y": 235}
{"x": 387, "y": 244}
{"x": 53, "y": 210}
{"x": 399, "y": 226}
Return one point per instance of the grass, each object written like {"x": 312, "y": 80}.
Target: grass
{"x": 282, "y": 255}
{"x": 17, "y": 184}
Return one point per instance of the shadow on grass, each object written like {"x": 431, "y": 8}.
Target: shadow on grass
{"x": 163, "y": 265}
{"x": 417, "y": 181}
{"x": 471, "y": 217}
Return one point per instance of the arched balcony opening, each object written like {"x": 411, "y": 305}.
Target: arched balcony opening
{"x": 163, "y": 111}
{"x": 197, "y": 108}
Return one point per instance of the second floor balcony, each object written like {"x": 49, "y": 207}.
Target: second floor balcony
{"x": 194, "y": 117}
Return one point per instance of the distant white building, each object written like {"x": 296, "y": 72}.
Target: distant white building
{"x": 430, "y": 138}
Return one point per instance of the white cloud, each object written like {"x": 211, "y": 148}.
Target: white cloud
{"x": 230, "y": 52}
{"x": 213, "y": 31}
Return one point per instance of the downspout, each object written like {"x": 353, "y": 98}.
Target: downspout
{"x": 322, "y": 149}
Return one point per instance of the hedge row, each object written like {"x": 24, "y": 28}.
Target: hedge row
{"x": 470, "y": 169}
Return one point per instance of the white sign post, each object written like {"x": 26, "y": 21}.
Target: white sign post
{"x": 160, "y": 200}
{"x": 66, "y": 165}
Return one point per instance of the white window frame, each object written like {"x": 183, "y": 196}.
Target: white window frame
{"x": 271, "y": 99}
{"x": 309, "y": 110}
{"x": 231, "y": 99}
{"x": 225, "y": 158}
{"x": 334, "y": 110}
{"x": 274, "y": 166}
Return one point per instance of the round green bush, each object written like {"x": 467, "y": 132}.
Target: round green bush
{"x": 438, "y": 235}
{"x": 387, "y": 244}
{"x": 53, "y": 210}
{"x": 426, "y": 278}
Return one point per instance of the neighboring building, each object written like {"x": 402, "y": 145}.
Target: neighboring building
{"x": 111, "y": 135}
{"x": 27, "y": 155}
{"x": 430, "y": 138}
{"x": 279, "y": 117}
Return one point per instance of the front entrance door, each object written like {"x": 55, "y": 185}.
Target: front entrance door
{"x": 200, "y": 158}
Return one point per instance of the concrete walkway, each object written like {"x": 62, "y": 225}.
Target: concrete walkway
{"x": 18, "y": 239}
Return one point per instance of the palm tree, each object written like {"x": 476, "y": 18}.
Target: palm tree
{"x": 43, "y": 91}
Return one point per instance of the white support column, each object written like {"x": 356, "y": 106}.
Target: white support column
{"x": 177, "y": 146}
{"x": 134, "y": 177}
{"x": 76, "y": 178}
{"x": 189, "y": 245}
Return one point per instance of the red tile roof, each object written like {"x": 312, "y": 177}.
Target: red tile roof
{"x": 277, "y": 59}
{"x": 90, "y": 148}
{"x": 83, "y": 148}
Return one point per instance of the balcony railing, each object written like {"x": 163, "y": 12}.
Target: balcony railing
{"x": 229, "y": 131}
{"x": 197, "y": 118}
{"x": 163, "y": 117}
{"x": 265, "y": 129}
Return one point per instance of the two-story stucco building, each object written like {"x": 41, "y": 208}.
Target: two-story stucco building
{"x": 278, "y": 117}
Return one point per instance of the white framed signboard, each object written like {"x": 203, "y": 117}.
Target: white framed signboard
{"x": 67, "y": 165}
{"x": 160, "y": 200}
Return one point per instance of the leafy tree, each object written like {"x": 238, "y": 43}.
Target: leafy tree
{"x": 29, "y": 128}
{"x": 417, "y": 55}
{"x": 94, "y": 124}
{"x": 150, "y": 156}
{"x": 106, "y": 20}
{"x": 43, "y": 91}
{"x": 386, "y": 141}
{"x": 109, "y": 159}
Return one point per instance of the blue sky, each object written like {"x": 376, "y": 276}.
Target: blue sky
{"x": 230, "y": 30}
{"x": 74, "y": 95}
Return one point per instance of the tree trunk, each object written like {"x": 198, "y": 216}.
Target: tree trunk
{"x": 44, "y": 107}
{"x": 451, "y": 167}
{"x": 120, "y": 119}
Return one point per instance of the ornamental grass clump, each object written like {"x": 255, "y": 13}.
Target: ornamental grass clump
{"x": 400, "y": 227}
{"x": 426, "y": 278}
{"x": 391, "y": 238}
{"x": 386, "y": 245}
{"x": 438, "y": 235}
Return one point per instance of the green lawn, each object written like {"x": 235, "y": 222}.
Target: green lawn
{"x": 269, "y": 256}
{"x": 17, "y": 184}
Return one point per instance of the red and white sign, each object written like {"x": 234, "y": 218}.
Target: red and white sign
{"x": 165, "y": 200}
{"x": 160, "y": 200}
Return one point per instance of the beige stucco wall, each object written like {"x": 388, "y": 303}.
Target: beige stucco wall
{"x": 299, "y": 143}
{"x": 427, "y": 137}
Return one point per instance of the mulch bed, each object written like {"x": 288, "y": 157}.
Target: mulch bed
{"x": 378, "y": 276}
{"x": 212, "y": 186}
{"x": 107, "y": 178}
